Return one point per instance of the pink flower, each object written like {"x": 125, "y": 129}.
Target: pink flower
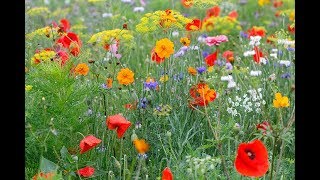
{"x": 216, "y": 40}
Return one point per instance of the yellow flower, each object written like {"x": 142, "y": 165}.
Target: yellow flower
{"x": 38, "y": 11}
{"x": 164, "y": 48}
{"x": 141, "y": 146}
{"x": 210, "y": 69}
{"x": 125, "y": 76}
{"x": 164, "y": 78}
{"x": 263, "y": 2}
{"x": 82, "y": 69}
{"x": 28, "y": 87}
{"x": 185, "y": 41}
{"x": 280, "y": 101}
{"x": 192, "y": 71}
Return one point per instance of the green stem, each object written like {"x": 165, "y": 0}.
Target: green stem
{"x": 273, "y": 156}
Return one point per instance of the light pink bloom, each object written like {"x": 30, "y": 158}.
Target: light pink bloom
{"x": 216, "y": 40}
{"x": 114, "y": 51}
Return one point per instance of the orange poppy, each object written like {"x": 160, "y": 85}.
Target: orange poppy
{"x": 201, "y": 94}
{"x": 155, "y": 57}
{"x": 233, "y": 14}
{"x": 256, "y": 31}
{"x": 86, "y": 171}
{"x": 82, "y": 69}
{"x": 195, "y": 25}
{"x": 72, "y": 42}
{"x": 118, "y": 122}
{"x": 252, "y": 159}
{"x": 41, "y": 175}
{"x": 88, "y": 143}
{"x": 257, "y": 55}
{"x": 277, "y": 3}
{"x": 214, "y": 11}
{"x": 211, "y": 58}
{"x": 228, "y": 55}
{"x": 167, "y": 174}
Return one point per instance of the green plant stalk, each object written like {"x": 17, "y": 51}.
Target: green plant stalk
{"x": 139, "y": 169}
{"x": 273, "y": 156}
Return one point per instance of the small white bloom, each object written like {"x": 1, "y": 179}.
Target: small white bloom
{"x": 263, "y": 60}
{"x": 272, "y": 77}
{"x": 285, "y": 62}
{"x": 258, "y": 110}
{"x": 257, "y": 104}
{"x": 229, "y": 110}
{"x": 194, "y": 47}
{"x": 236, "y": 104}
{"x": 175, "y": 33}
{"x": 126, "y": 1}
{"x": 138, "y": 9}
{"x": 231, "y": 84}
{"x": 263, "y": 102}
{"x": 274, "y": 50}
{"x": 255, "y": 73}
{"x": 249, "y": 53}
{"x": 238, "y": 98}
{"x": 249, "y": 103}
{"x": 104, "y": 15}
{"x": 274, "y": 55}
{"x": 226, "y": 78}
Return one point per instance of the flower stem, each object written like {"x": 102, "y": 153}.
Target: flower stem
{"x": 273, "y": 156}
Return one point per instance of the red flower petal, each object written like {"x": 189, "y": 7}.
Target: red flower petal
{"x": 252, "y": 159}
{"x": 194, "y": 25}
{"x": 211, "y": 58}
{"x": 65, "y": 25}
{"x": 86, "y": 171}
{"x": 88, "y": 143}
{"x": 215, "y": 11}
{"x": 166, "y": 174}
{"x": 257, "y": 55}
{"x": 118, "y": 122}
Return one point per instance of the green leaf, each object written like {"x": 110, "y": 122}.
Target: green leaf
{"x": 47, "y": 165}
{"x": 64, "y": 152}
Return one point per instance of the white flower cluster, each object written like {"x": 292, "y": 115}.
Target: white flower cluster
{"x": 251, "y": 101}
{"x": 201, "y": 165}
{"x": 249, "y": 53}
{"x": 285, "y": 62}
{"x": 285, "y": 42}
{"x": 229, "y": 78}
{"x": 255, "y": 40}
{"x": 274, "y": 53}
{"x": 255, "y": 73}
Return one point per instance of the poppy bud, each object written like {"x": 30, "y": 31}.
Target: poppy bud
{"x": 125, "y": 26}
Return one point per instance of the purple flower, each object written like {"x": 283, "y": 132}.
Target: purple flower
{"x": 201, "y": 69}
{"x": 205, "y": 54}
{"x": 143, "y": 103}
{"x": 219, "y": 62}
{"x": 178, "y": 77}
{"x": 229, "y": 66}
{"x": 286, "y": 75}
{"x": 150, "y": 85}
{"x": 181, "y": 51}
{"x": 291, "y": 49}
{"x": 104, "y": 86}
{"x": 243, "y": 34}
{"x": 216, "y": 40}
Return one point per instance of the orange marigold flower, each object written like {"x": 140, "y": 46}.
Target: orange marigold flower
{"x": 167, "y": 174}
{"x": 125, "y": 76}
{"x": 109, "y": 82}
{"x": 202, "y": 94}
{"x": 252, "y": 159}
{"x": 118, "y": 122}
{"x": 86, "y": 171}
{"x": 280, "y": 101}
{"x": 192, "y": 71}
{"x": 187, "y": 3}
{"x": 164, "y": 48}
{"x": 141, "y": 145}
{"x": 41, "y": 175}
{"x": 88, "y": 143}
{"x": 82, "y": 69}
{"x": 155, "y": 57}
{"x": 195, "y": 25}
{"x": 185, "y": 41}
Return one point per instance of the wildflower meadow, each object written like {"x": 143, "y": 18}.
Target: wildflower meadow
{"x": 160, "y": 89}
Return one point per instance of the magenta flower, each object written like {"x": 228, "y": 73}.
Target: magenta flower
{"x": 216, "y": 40}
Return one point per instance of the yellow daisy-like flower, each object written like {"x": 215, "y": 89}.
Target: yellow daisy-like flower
{"x": 164, "y": 78}
{"x": 263, "y": 2}
{"x": 164, "y": 48}
{"x": 192, "y": 71}
{"x": 185, "y": 41}
{"x": 28, "y": 87}
{"x": 125, "y": 76}
{"x": 280, "y": 101}
{"x": 210, "y": 69}
{"x": 141, "y": 146}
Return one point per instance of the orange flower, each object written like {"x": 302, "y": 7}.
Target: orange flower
{"x": 82, "y": 69}
{"x": 49, "y": 176}
{"x": 252, "y": 159}
{"x": 118, "y": 122}
{"x": 192, "y": 71}
{"x": 167, "y": 19}
{"x": 109, "y": 82}
{"x": 233, "y": 14}
{"x": 167, "y": 174}
{"x": 195, "y": 25}
{"x": 141, "y": 145}
{"x": 125, "y": 76}
{"x": 164, "y": 48}
{"x": 202, "y": 94}
{"x": 228, "y": 55}
{"x": 72, "y": 42}
{"x": 187, "y": 3}
{"x": 88, "y": 143}
{"x": 155, "y": 57}
{"x": 277, "y": 3}
{"x": 214, "y": 11}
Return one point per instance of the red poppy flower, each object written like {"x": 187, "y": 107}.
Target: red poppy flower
{"x": 214, "y": 11}
{"x": 228, "y": 55}
{"x": 72, "y": 42}
{"x": 252, "y": 159}
{"x": 195, "y": 25}
{"x": 187, "y": 3}
{"x": 65, "y": 25}
{"x": 63, "y": 56}
{"x": 256, "y": 31}
{"x": 233, "y": 14}
{"x": 264, "y": 126}
{"x": 211, "y": 58}
{"x": 257, "y": 55}
{"x": 167, "y": 174}
{"x": 88, "y": 143}
{"x": 277, "y": 3}
{"x": 291, "y": 29}
{"x": 86, "y": 171}
{"x": 118, "y": 122}
{"x": 156, "y": 58}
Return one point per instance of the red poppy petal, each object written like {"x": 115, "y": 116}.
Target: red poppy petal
{"x": 88, "y": 143}
{"x": 211, "y": 58}
{"x": 86, "y": 171}
{"x": 167, "y": 174}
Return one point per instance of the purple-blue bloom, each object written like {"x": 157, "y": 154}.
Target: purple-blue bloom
{"x": 229, "y": 66}
{"x": 205, "y": 53}
{"x": 150, "y": 85}
{"x": 143, "y": 103}
{"x": 201, "y": 69}
{"x": 243, "y": 34}
{"x": 286, "y": 75}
